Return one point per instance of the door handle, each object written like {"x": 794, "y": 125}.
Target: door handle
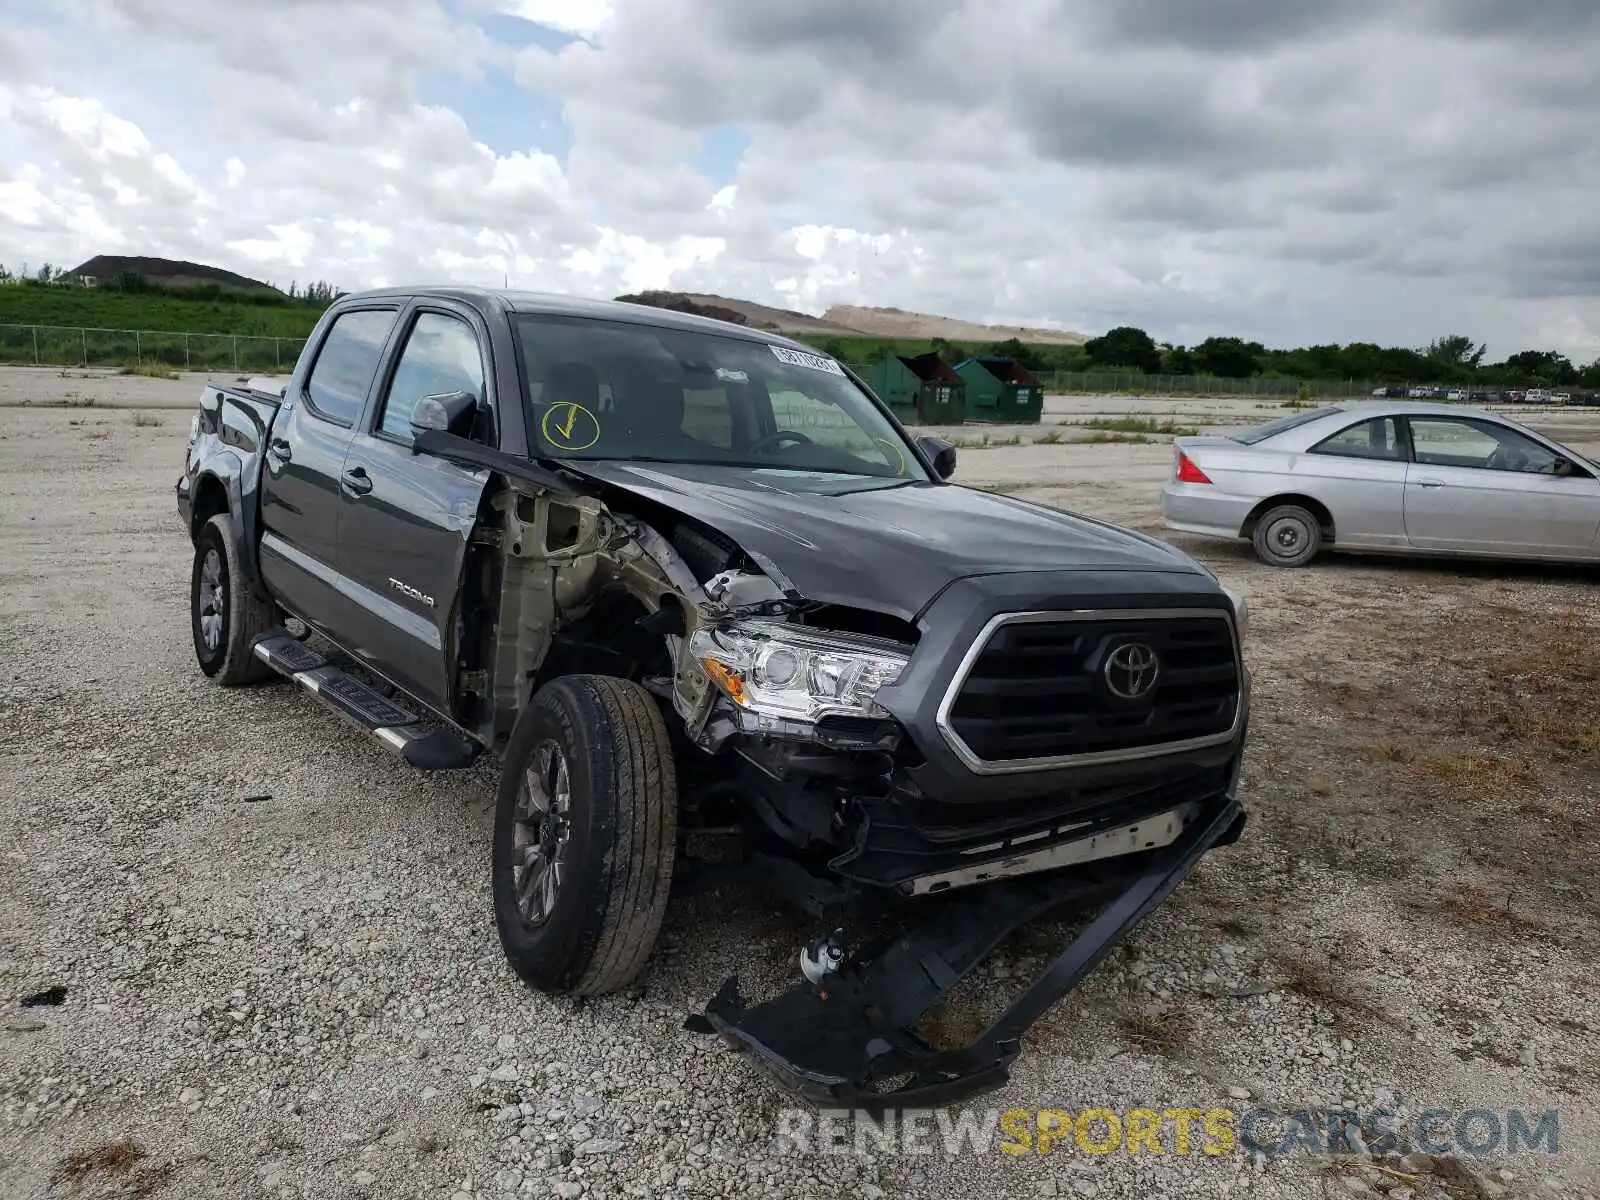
{"x": 357, "y": 480}
{"x": 1430, "y": 483}
{"x": 278, "y": 448}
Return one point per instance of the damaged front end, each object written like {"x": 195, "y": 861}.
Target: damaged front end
{"x": 846, "y": 1036}
{"x": 797, "y": 763}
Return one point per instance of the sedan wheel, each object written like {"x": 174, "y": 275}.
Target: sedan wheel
{"x": 1287, "y": 536}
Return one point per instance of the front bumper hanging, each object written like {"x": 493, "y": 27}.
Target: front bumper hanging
{"x": 844, "y": 1042}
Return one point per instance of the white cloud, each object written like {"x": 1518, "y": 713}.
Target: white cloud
{"x": 1196, "y": 167}
{"x": 586, "y": 18}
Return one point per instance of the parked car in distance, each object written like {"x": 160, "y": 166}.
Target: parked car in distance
{"x": 1456, "y": 394}
{"x": 1404, "y": 478}
{"x": 1561, "y": 398}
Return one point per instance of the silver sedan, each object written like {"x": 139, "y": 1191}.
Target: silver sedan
{"x": 1393, "y": 476}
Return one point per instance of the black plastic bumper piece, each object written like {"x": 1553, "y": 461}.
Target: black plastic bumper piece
{"x": 845, "y": 1043}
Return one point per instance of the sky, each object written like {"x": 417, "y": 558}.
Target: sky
{"x": 1290, "y": 172}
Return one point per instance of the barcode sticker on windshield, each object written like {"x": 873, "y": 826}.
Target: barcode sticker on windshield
{"x": 814, "y": 362}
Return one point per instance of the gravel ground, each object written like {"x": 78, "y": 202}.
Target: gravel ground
{"x": 276, "y": 972}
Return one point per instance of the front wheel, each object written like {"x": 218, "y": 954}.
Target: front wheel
{"x": 225, "y": 615}
{"x": 585, "y": 834}
{"x": 1287, "y": 536}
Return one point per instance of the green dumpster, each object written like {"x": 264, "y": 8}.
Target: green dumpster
{"x": 921, "y": 390}
{"x": 1001, "y": 390}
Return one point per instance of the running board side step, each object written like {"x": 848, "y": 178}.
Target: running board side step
{"x": 423, "y": 743}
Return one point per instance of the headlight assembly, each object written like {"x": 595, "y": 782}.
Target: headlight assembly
{"x": 791, "y": 673}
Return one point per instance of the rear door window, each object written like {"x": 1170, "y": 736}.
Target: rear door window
{"x": 347, "y": 363}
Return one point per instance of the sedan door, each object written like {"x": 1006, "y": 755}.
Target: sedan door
{"x": 1480, "y": 487}
{"x": 405, "y": 518}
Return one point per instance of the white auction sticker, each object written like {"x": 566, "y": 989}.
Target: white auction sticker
{"x": 815, "y": 362}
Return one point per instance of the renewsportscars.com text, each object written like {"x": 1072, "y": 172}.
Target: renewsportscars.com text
{"x": 1169, "y": 1131}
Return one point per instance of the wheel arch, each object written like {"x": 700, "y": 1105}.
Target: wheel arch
{"x": 219, "y": 489}
{"x": 210, "y": 498}
{"x": 1310, "y": 503}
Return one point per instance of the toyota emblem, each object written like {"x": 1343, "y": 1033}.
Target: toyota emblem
{"x": 1131, "y": 670}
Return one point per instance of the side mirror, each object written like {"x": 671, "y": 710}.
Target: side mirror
{"x": 940, "y": 453}
{"x": 447, "y": 412}
{"x": 1566, "y": 467}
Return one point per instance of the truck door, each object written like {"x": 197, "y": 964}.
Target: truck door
{"x": 405, "y": 518}
{"x": 305, "y": 452}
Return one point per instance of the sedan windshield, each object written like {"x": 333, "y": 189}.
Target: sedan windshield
{"x": 615, "y": 390}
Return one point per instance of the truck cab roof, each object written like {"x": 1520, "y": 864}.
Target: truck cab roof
{"x": 510, "y": 300}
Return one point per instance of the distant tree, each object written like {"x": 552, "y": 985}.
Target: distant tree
{"x": 1028, "y": 355}
{"x": 1538, "y": 366}
{"x": 45, "y": 274}
{"x": 1177, "y": 360}
{"x": 1456, "y": 350}
{"x": 320, "y": 293}
{"x": 1589, "y": 377}
{"x": 946, "y": 350}
{"x": 1227, "y": 357}
{"x": 1125, "y": 346}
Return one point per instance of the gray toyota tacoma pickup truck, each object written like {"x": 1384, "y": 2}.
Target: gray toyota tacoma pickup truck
{"x": 721, "y": 621}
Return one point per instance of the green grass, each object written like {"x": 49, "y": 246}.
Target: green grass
{"x": 72, "y": 327}
{"x": 1137, "y": 424}
{"x": 88, "y": 309}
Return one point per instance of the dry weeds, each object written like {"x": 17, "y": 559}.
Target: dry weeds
{"x": 1322, "y": 983}
{"x": 108, "y": 1158}
{"x": 1168, "y": 1032}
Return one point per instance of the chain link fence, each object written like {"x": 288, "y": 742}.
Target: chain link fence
{"x": 64, "y": 346}
{"x": 1137, "y": 383}
{"x": 1134, "y": 383}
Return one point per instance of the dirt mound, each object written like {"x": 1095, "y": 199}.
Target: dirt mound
{"x": 172, "y": 272}
{"x": 897, "y": 323}
{"x": 740, "y": 312}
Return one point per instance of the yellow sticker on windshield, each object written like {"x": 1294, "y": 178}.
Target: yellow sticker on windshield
{"x": 899, "y": 458}
{"x": 569, "y": 426}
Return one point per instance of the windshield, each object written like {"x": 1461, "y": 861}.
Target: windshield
{"x": 615, "y": 390}
{"x": 1260, "y": 433}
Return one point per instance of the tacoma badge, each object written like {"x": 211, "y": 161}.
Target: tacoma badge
{"x": 410, "y": 591}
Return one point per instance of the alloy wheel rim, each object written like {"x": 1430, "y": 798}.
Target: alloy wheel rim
{"x": 213, "y": 599}
{"x": 541, "y": 830}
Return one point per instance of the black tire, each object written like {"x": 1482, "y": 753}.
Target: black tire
{"x": 225, "y": 616}
{"x": 1287, "y": 535}
{"x": 593, "y": 933}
